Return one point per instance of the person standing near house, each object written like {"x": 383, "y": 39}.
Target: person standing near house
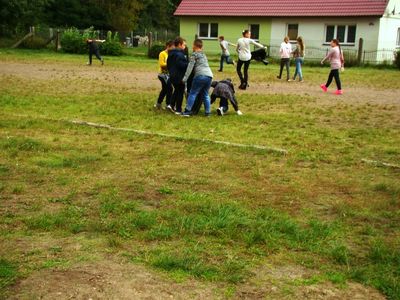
{"x": 163, "y": 76}
{"x": 201, "y": 81}
{"x": 285, "y": 51}
{"x": 298, "y": 54}
{"x": 243, "y": 49}
{"x": 94, "y": 49}
{"x": 176, "y": 64}
{"x": 225, "y": 55}
{"x": 336, "y": 58}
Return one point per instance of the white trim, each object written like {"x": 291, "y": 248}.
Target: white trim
{"x": 208, "y": 37}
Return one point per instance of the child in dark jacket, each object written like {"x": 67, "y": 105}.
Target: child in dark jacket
{"x": 176, "y": 64}
{"x": 224, "y": 90}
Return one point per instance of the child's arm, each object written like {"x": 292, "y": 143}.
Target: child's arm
{"x": 189, "y": 69}
{"x": 232, "y": 44}
{"x": 327, "y": 57}
{"x": 256, "y": 44}
{"x": 213, "y": 98}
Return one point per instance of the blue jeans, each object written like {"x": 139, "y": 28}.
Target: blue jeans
{"x": 200, "y": 86}
{"x": 299, "y": 63}
{"x": 225, "y": 58}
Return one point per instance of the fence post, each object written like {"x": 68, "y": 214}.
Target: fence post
{"x": 150, "y": 37}
{"x": 360, "y": 50}
{"x": 57, "y": 40}
{"x": 364, "y": 57}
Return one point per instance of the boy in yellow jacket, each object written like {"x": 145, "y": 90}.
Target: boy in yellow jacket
{"x": 163, "y": 76}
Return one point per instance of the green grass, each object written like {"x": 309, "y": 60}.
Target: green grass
{"x": 193, "y": 210}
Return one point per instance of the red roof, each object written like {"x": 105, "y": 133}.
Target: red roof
{"x": 282, "y": 8}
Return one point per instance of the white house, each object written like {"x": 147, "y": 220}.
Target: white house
{"x": 376, "y": 22}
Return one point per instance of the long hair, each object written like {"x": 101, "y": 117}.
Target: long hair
{"x": 337, "y": 42}
{"x": 301, "y": 43}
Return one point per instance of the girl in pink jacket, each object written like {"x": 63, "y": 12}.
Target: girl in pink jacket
{"x": 335, "y": 56}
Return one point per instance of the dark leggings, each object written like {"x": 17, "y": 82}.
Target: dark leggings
{"x": 246, "y": 71}
{"x": 166, "y": 90}
{"x": 96, "y": 53}
{"x": 177, "y": 96}
{"x": 334, "y": 74}
{"x": 285, "y": 62}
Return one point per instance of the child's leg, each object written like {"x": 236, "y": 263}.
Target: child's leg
{"x": 234, "y": 103}
{"x": 163, "y": 91}
{"x": 281, "y": 68}
{"x": 194, "y": 92}
{"x": 179, "y": 97}
{"x": 296, "y": 70}
{"x": 229, "y": 60}
{"x": 246, "y": 71}
{"x": 330, "y": 78}
{"x": 337, "y": 79}
{"x": 223, "y": 103}
{"x": 221, "y": 63}
{"x": 239, "y": 70}
{"x": 205, "y": 94}
{"x": 90, "y": 56}
{"x": 97, "y": 53}
{"x": 287, "y": 63}
{"x": 169, "y": 92}
{"x": 300, "y": 71}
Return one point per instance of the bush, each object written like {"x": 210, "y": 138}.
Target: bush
{"x": 111, "y": 46}
{"x": 397, "y": 59}
{"x": 35, "y": 42}
{"x": 72, "y": 41}
{"x": 155, "y": 50}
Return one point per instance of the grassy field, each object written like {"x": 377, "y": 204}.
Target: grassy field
{"x": 203, "y": 220}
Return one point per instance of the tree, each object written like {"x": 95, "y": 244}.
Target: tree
{"x": 20, "y": 14}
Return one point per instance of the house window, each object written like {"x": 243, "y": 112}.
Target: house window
{"x": 344, "y": 33}
{"x": 398, "y": 38}
{"x": 208, "y": 30}
{"x": 293, "y": 31}
{"x": 255, "y": 31}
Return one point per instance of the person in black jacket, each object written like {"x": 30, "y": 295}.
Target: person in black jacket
{"x": 94, "y": 49}
{"x": 224, "y": 90}
{"x": 176, "y": 64}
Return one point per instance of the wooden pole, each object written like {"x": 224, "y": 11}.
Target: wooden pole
{"x": 360, "y": 50}
{"x": 150, "y": 37}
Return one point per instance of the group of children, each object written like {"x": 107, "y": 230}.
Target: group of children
{"x": 179, "y": 74}
{"x": 335, "y": 57}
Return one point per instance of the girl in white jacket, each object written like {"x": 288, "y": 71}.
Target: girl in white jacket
{"x": 244, "y": 52}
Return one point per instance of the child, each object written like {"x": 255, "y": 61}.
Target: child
{"x": 243, "y": 49}
{"x": 285, "y": 51}
{"x": 224, "y": 90}
{"x": 299, "y": 58}
{"x": 335, "y": 56}
{"x": 166, "y": 88}
{"x": 201, "y": 80}
{"x": 176, "y": 65}
{"x": 225, "y": 55}
{"x": 94, "y": 49}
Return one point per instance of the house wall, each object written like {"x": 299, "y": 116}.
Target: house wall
{"x": 231, "y": 28}
{"x": 389, "y": 24}
{"x": 313, "y": 32}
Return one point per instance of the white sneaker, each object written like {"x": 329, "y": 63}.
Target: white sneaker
{"x": 169, "y": 107}
{"x": 239, "y": 113}
{"x": 157, "y": 106}
{"x": 220, "y": 111}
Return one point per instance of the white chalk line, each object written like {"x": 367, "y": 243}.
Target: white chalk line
{"x": 177, "y": 137}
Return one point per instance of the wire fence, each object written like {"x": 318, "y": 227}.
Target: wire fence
{"x": 352, "y": 56}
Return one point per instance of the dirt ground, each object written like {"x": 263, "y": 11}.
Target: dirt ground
{"x": 114, "y": 280}
{"x": 110, "y": 279}
{"x": 131, "y": 80}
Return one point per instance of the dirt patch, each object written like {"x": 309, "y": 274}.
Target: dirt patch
{"x": 107, "y": 280}
{"x": 147, "y": 80}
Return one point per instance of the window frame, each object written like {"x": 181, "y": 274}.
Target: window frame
{"x": 259, "y": 27}
{"x": 346, "y": 34}
{"x": 208, "y": 37}
{"x": 398, "y": 38}
{"x": 287, "y": 31}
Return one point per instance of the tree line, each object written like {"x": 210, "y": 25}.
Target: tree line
{"x": 116, "y": 15}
